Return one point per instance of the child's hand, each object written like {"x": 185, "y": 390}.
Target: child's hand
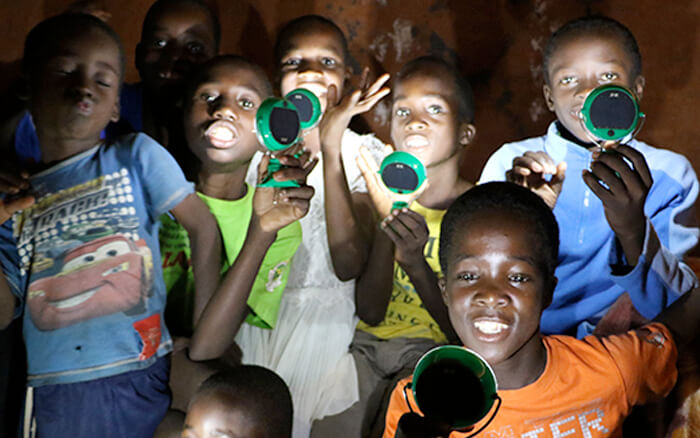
{"x": 338, "y": 114}
{"x": 381, "y": 196}
{"x": 623, "y": 191}
{"x": 8, "y": 208}
{"x": 537, "y": 172}
{"x": 409, "y": 232}
{"x": 277, "y": 207}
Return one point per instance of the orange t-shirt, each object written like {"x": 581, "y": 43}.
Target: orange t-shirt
{"x": 586, "y": 390}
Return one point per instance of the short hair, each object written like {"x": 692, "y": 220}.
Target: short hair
{"x": 485, "y": 199}
{"x": 300, "y": 25}
{"x": 263, "y": 394}
{"x": 465, "y": 96}
{"x": 163, "y": 5}
{"x": 44, "y": 36}
{"x": 598, "y": 26}
{"x": 200, "y": 72}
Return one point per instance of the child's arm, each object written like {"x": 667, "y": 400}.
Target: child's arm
{"x": 347, "y": 216}
{"x": 205, "y": 240}
{"x": 683, "y": 318}
{"x": 273, "y": 209}
{"x": 7, "y": 299}
{"x": 624, "y": 197}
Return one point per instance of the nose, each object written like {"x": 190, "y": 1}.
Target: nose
{"x": 491, "y": 296}
{"x": 310, "y": 68}
{"x": 585, "y": 86}
{"x": 80, "y": 84}
{"x": 223, "y": 110}
{"x": 415, "y": 123}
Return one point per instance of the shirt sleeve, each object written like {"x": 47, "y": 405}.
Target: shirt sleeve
{"x": 163, "y": 182}
{"x": 397, "y": 407}
{"x": 351, "y": 149}
{"x": 660, "y": 275}
{"x": 9, "y": 264}
{"x": 646, "y": 361}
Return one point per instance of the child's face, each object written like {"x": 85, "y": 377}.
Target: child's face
{"x": 314, "y": 60}
{"x": 215, "y": 416}
{"x": 425, "y": 117}
{"x": 494, "y": 290}
{"x": 75, "y": 92}
{"x": 581, "y": 64}
{"x": 220, "y": 117}
{"x": 172, "y": 45}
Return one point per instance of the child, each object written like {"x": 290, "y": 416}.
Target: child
{"x": 220, "y": 103}
{"x": 80, "y": 260}
{"x": 398, "y": 299}
{"x": 176, "y": 36}
{"x": 309, "y": 346}
{"x": 249, "y": 401}
{"x": 498, "y": 251}
{"x": 620, "y": 234}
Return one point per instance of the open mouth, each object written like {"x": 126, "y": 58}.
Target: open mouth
{"x": 318, "y": 88}
{"x": 75, "y": 300}
{"x": 221, "y": 134}
{"x": 490, "y": 327}
{"x": 416, "y": 141}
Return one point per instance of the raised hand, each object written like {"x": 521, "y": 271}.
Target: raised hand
{"x": 381, "y": 196}
{"x": 409, "y": 232}
{"x": 277, "y": 207}
{"x": 621, "y": 179}
{"x": 536, "y": 171}
{"x": 338, "y": 114}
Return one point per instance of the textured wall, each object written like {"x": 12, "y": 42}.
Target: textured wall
{"x": 498, "y": 42}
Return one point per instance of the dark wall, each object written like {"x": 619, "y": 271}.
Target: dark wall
{"x": 498, "y": 42}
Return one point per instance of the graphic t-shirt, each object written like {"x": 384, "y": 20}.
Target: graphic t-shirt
{"x": 233, "y": 218}
{"x": 81, "y": 261}
{"x": 587, "y": 389}
{"x": 406, "y": 316}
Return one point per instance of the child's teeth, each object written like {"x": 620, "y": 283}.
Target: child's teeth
{"x": 490, "y": 327}
{"x": 221, "y": 133}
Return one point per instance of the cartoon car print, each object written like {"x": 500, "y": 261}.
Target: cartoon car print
{"x": 107, "y": 275}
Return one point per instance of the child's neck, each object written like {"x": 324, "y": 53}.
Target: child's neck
{"x": 55, "y": 149}
{"x": 227, "y": 184}
{"x": 445, "y": 185}
{"x": 524, "y": 367}
{"x": 156, "y": 117}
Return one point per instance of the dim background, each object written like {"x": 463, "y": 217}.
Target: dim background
{"x": 497, "y": 43}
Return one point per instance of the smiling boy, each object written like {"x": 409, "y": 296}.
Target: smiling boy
{"x": 498, "y": 251}
{"x": 626, "y": 217}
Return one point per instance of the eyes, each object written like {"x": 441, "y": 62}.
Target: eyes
{"x": 325, "y": 61}
{"x": 103, "y": 78}
{"x": 608, "y": 76}
{"x": 243, "y": 102}
{"x": 434, "y": 109}
{"x": 513, "y": 278}
{"x": 193, "y": 47}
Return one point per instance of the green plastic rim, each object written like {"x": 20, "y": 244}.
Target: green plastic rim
{"x": 308, "y": 106}
{"x": 610, "y": 113}
{"x": 277, "y": 124}
{"x": 470, "y": 365}
{"x": 402, "y": 172}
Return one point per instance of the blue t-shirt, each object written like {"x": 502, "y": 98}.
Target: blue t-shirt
{"x": 84, "y": 261}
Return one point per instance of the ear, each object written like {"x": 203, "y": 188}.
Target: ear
{"x": 639, "y": 84}
{"x": 547, "y": 91}
{"x": 116, "y": 111}
{"x": 442, "y": 284}
{"x": 467, "y": 132}
{"x": 550, "y": 292}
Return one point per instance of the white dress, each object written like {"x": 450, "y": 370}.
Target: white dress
{"x": 308, "y": 347}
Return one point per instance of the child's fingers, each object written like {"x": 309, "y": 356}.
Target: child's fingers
{"x": 367, "y": 103}
{"x": 262, "y": 168}
{"x": 364, "y": 79}
{"x": 300, "y": 193}
{"x": 377, "y": 85}
{"x": 388, "y": 149}
{"x": 290, "y": 174}
{"x": 8, "y": 208}
{"x": 639, "y": 163}
{"x": 331, "y": 97}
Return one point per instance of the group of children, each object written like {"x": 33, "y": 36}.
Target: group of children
{"x": 132, "y": 213}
